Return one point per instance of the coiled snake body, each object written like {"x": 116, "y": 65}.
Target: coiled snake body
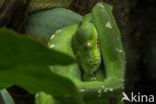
{"x": 94, "y": 41}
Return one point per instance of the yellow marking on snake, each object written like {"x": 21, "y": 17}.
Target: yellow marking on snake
{"x": 82, "y": 90}
{"x": 108, "y": 25}
{"x": 89, "y": 45}
{"x": 102, "y": 6}
{"x": 58, "y": 31}
{"x": 52, "y": 46}
{"x": 94, "y": 79}
{"x": 99, "y": 91}
{"x": 119, "y": 50}
{"x": 111, "y": 89}
{"x": 106, "y": 89}
{"x": 102, "y": 86}
{"x": 52, "y": 37}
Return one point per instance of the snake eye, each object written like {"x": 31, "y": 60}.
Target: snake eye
{"x": 89, "y": 45}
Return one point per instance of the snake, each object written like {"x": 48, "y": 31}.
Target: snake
{"x": 93, "y": 40}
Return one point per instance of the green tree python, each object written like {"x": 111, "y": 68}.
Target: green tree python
{"x": 93, "y": 40}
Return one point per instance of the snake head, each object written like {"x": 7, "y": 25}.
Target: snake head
{"x": 86, "y": 46}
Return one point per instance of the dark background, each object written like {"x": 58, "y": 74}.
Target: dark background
{"x": 137, "y": 24}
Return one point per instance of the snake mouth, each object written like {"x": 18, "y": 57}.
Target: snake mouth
{"x": 92, "y": 66}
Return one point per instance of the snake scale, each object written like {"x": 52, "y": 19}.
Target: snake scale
{"x": 93, "y": 40}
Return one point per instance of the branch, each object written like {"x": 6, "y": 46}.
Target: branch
{"x": 13, "y": 14}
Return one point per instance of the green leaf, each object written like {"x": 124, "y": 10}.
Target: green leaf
{"x": 16, "y": 50}
{"x": 26, "y": 61}
{"x": 43, "y": 98}
{"x": 40, "y": 78}
{"x": 4, "y": 85}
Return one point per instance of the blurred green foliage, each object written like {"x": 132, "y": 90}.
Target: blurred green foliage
{"x": 24, "y": 62}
